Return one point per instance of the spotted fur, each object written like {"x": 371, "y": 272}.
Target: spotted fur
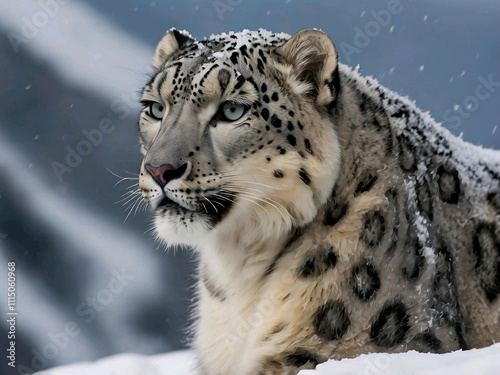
{"x": 332, "y": 218}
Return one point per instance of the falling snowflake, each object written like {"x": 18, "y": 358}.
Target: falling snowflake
{"x": 421, "y": 68}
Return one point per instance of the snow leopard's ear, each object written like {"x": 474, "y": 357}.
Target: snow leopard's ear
{"x": 314, "y": 64}
{"x": 172, "y": 42}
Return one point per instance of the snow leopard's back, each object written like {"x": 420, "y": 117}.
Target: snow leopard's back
{"x": 452, "y": 197}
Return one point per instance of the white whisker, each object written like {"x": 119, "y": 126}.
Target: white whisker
{"x": 262, "y": 199}
{"x": 133, "y": 174}
{"x": 255, "y": 183}
{"x": 123, "y": 178}
{"x": 252, "y": 201}
{"x": 128, "y": 194}
{"x": 131, "y": 208}
{"x": 129, "y": 199}
{"x": 138, "y": 206}
{"x": 215, "y": 208}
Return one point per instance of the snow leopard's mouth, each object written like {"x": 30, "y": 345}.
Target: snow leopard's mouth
{"x": 166, "y": 201}
{"x": 216, "y": 205}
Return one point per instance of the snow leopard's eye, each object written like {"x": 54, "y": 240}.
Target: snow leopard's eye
{"x": 157, "y": 110}
{"x": 231, "y": 111}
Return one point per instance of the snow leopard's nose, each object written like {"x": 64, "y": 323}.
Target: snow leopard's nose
{"x": 165, "y": 173}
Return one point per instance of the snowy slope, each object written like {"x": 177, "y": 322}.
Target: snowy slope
{"x": 477, "y": 361}
{"x": 68, "y": 253}
{"x": 73, "y": 44}
{"x": 102, "y": 247}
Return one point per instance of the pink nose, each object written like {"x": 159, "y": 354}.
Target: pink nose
{"x": 165, "y": 173}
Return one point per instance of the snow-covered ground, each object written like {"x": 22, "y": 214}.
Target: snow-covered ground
{"x": 472, "y": 362}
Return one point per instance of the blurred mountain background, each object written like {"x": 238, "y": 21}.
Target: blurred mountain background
{"x": 89, "y": 283}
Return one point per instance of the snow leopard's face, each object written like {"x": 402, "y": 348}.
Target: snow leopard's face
{"x": 236, "y": 134}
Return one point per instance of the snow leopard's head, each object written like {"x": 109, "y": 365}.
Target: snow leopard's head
{"x": 236, "y": 134}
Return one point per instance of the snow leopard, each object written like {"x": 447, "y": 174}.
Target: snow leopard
{"x": 330, "y": 216}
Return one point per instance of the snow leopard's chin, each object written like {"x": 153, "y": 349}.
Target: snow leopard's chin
{"x": 174, "y": 229}
{"x": 245, "y": 222}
